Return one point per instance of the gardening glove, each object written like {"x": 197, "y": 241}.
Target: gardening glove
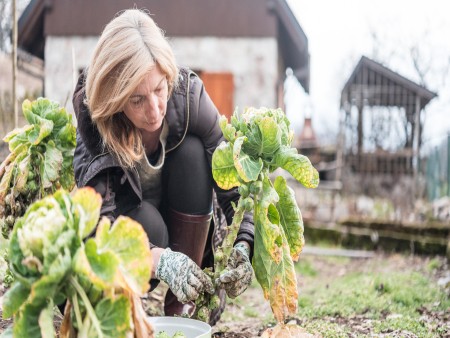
{"x": 185, "y": 278}
{"x": 240, "y": 271}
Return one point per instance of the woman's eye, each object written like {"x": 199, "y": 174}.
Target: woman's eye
{"x": 136, "y": 102}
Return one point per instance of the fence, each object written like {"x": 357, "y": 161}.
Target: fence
{"x": 437, "y": 171}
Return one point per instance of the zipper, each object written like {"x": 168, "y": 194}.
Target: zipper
{"x": 187, "y": 113}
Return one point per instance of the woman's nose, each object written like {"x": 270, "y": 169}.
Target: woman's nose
{"x": 154, "y": 105}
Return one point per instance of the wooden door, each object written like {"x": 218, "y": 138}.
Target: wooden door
{"x": 220, "y": 87}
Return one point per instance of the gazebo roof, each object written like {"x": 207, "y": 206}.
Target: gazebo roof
{"x": 373, "y": 84}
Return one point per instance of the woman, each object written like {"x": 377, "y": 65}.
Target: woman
{"x": 145, "y": 137}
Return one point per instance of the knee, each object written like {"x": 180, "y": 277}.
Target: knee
{"x": 151, "y": 220}
{"x": 191, "y": 150}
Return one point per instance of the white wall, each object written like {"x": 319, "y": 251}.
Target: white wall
{"x": 252, "y": 61}
{"x": 64, "y": 57}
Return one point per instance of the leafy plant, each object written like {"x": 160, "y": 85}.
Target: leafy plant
{"x": 54, "y": 258}
{"x": 40, "y": 159}
{"x": 259, "y": 142}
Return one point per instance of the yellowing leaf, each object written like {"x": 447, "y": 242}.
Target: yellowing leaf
{"x": 128, "y": 242}
{"x": 86, "y": 204}
{"x": 290, "y": 217}
{"x": 247, "y": 168}
{"x": 223, "y": 170}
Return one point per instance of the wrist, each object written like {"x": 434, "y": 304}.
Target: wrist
{"x": 156, "y": 256}
{"x": 243, "y": 247}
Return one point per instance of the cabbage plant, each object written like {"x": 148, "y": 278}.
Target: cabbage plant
{"x": 258, "y": 143}
{"x": 56, "y": 258}
{"x": 40, "y": 159}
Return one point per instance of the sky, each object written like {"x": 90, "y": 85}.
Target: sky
{"x": 341, "y": 31}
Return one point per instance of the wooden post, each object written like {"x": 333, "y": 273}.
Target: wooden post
{"x": 14, "y": 64}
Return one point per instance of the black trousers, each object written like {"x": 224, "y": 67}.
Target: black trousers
{"x": 187, "y": 188}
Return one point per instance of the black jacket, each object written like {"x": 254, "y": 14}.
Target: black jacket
{"x": 189, "y": 111}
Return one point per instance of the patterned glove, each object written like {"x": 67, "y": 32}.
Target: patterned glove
{"x": 184, "y": 277}
{"x": 240, "y": 272}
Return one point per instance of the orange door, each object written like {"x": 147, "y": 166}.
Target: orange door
{"x": 220, "y": 87}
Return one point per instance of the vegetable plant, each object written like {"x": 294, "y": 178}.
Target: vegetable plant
{"x": 56, "y": 259}
{"x": 258, "y": 143}
{"x": 40, "y": 159}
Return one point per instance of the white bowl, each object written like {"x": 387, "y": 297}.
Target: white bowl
{"x": 191, "y": 328}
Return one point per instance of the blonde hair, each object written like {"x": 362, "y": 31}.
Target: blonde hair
{"x": 130, "y": 45}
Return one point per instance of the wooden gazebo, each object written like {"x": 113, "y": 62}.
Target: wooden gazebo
{"x": 382, "y": 122}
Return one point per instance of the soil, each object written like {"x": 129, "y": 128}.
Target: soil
{"x": 236, "y": 321}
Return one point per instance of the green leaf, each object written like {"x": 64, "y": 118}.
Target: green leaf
{"x": 67, "y": 177}
{"x": 298, "y": 166}
{"x": 247, "y": 168}
{"x": 14, "y": 298}
{"x": 86, "y": 204}
{"x": 267, "y": 235}
{"x": 46, "y": 321}
{"x": 128, "y": 242}
{"x": 229, "y": 132}
{"x": 42, "y": 128}
{"x": 51, "y": 166}
{"x": 26, "y": 323}
{"x": 270, "y": 135}
{"x": 18, "y": 137}
{"x": 114, "y": 316}
{"x": 100, "y": 267}
{"x": 55, "y": 256}
{"x": 67, "y": 136}
{"x": 223, "y": 169}
{"x": 290, "y": 217}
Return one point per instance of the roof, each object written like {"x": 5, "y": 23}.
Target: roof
{"x": 377, "y": 85}
{"x": 230, "y": 18}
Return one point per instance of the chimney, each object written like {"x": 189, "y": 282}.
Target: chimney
{"x": 307, "y": 138}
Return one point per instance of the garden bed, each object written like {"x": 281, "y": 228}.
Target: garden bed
{"x": 383, "y": 296}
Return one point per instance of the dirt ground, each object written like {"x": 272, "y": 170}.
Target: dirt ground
{"x": 249, "y": 315}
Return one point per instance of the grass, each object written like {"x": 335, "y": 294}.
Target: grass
{"x": 390, "y": 301}
{"x": 387, "y": 296}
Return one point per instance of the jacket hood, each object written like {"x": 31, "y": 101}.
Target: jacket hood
{"x": 86, "y": 128}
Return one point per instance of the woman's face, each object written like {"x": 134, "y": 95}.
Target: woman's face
{"x": 147, "y": 105}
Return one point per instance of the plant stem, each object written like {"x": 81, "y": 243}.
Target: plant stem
{"x": 76, "y": 308}
{"x": 227, "y": 245}
{"x": 89, "y": 309}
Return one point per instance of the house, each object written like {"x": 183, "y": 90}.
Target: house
{"x": 240, "y": 48}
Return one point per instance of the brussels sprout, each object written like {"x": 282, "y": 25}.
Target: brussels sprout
{"x": 218, "y": 255}
{"x": 256, "y": 187}
{"x": 243, "y": 190}
{"x": 203, "y": 314}
{"x": 248, "y": 203}
{"x": 214, "y": 302}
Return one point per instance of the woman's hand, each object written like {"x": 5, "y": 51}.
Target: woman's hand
{"x": 185, "y": 278}
{"x": 240, "y": 271}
